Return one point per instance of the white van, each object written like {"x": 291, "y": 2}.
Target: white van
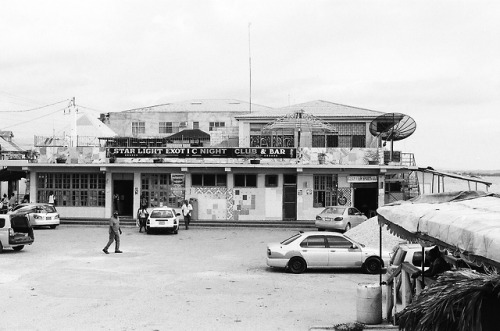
{"x": 15, "y": 232}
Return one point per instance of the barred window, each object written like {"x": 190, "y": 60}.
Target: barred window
{"x": 347, "y": 135}
{"x": 325, "y": 190}
{"x": 165, "y": 127}
{"x": 208, "y": 179}
{"x": 138, "y": 128}
{"x": 76, "y": 190}
{"x": 241, "y": 180}
{"x": 213, "y": 126}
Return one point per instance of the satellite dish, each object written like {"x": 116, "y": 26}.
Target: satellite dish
{"x": 393, "y": 127}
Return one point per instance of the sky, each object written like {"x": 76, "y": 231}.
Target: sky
{"x": 436, "y": 61}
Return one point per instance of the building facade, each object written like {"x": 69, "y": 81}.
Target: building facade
{"x": 266, "y": 164}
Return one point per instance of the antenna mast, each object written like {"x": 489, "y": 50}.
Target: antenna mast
{"x": 250, "y": 66}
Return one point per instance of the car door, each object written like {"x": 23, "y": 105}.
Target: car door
{"x": 341, "y": 253}
{"x": 314, "y": 251}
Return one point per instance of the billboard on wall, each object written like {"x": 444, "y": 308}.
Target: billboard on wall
{"x": 199, "y": 152}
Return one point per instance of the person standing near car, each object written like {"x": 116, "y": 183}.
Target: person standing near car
{"x": 5, "y": 204}
{"x": 52, "y": 199}
{"x": 142, "y": 215}
{"x": 114, "y": 234}
{"x": 186, "y": 209}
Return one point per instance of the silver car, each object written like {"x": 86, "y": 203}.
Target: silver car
{"x": 339, "y": 218}
{"x": 329, "y": 250}
{"x": 39, "y": 214}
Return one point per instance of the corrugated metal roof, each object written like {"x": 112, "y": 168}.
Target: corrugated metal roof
{"x": 318, "y": 108}
{"x": 6, "y": 143}
{"x": 203, "y": 105}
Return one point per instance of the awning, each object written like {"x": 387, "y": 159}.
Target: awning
{"x": 466, "y": 222}
{"x": 194, "y": 134}
{"x": 11, "y": 175}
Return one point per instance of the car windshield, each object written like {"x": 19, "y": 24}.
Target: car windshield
{"x": 161, "y": 214}
{"x": 291, "y": 239}
{"x": 333, "y": 210}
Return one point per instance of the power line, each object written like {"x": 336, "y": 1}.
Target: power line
{"x": 27, "y": 110}
{"x": 34, "y": 119}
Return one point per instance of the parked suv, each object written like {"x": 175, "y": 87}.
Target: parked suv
{"x": 15, "y": 232}
{"x": 39, "y": 214}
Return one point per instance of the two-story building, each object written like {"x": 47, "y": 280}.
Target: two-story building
{"x": 237, "y": 162}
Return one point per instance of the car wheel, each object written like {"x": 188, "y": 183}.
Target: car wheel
{"x": 297, "y": 265}
{"x": 347, "y": 227}
{"x": 1, "y": 248}
{"x": 18, "y": 248}
{"x": 148, "y": 230}
{"x": 373, "y": 265}
{"x": 53, "y": 226}
{"x": 176, "y": 231}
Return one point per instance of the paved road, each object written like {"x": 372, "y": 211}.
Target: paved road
{"x": 200, "y": 279}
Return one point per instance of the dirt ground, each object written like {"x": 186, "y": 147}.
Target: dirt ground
{"x": 200, "y": 279}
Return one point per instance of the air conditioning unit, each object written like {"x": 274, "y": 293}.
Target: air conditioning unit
{"x": 183, "y": 124}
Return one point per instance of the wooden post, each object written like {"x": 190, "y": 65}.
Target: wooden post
{"x": 405, "y": 288}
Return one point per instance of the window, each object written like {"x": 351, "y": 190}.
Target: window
{"x": 78, "y": 190}
{"x": 338, "y": 242}
{"x": 196, "y": 125}
{"x": 277, "y": 138}
{"x": 138, "y": 128}
{"x": 314, "y": 242}
{"x": 348, "y": 135}
{"x": 213, "y": 126}
{"x": 325, "y": 190}
{"x": 158, "y": 190}
{"x": 245, "y": 180}
{"x": 271, "y": 180}
{"x": 165, "y": 127}
{"x": 208, "y": 179}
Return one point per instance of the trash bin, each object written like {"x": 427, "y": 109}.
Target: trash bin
{"x": 369, "y": 304}
{"x": 194, "y": 213}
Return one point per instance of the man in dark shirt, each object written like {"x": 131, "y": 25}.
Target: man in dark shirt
{"x": 114, "y": 233}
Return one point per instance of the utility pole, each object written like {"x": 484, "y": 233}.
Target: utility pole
{"x": 72, "y": 109}
{"x": 250, "y": 65}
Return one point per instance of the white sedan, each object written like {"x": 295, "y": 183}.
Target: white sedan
{"x": 324, "y": 250}
{"x": 162, "y": 218}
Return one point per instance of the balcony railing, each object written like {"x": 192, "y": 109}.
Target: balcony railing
{"x": 61, "y": 141}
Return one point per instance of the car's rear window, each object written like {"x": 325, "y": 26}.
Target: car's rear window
{"x": 333, "y": 210}
{"x": 49, "y": 208}
{"x": 161, "y": 214}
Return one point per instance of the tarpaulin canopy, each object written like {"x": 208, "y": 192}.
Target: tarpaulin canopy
{"x": 467, "y": 222}
{"x": 194, "y": 134}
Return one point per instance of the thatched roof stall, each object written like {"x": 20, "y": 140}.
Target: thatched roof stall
{"x": 467, "y": 224}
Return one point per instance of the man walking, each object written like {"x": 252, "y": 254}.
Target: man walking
{"x": 114, "y": 233}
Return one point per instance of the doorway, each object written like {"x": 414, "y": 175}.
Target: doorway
{"x": 123, "y": 197}
{"x": 366, "y": 198}
{"x": 289, "y": 197}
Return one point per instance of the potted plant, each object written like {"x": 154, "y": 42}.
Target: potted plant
{"x": 371, "y": 157}
{"x": 321, "y": 158}
{"x": 61, "y": 158}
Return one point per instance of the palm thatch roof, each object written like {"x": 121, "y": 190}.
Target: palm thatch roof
{"x": 461, "y": 300}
